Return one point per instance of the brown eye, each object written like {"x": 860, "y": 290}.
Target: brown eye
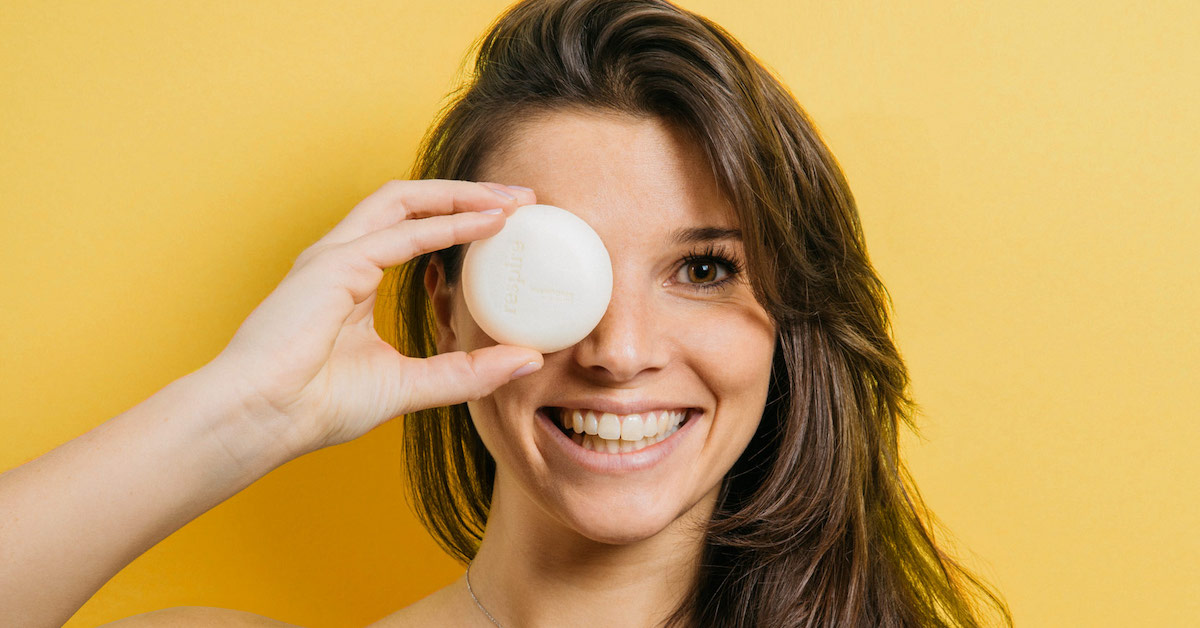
{"x": 702, "y": 272}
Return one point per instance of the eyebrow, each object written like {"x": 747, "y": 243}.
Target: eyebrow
{"x": 704, "y": 234}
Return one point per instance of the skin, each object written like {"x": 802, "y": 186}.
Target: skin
{"x": 569, "y": 546}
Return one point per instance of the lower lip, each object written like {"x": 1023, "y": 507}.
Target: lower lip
{"x": 600, "y": 462}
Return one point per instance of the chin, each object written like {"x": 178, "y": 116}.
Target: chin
{"x": 621, "y": 520}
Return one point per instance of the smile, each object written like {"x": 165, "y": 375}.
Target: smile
{"x": 616, "y": 433}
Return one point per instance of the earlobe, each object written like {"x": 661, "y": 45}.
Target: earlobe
{"x": 441, "y": 296}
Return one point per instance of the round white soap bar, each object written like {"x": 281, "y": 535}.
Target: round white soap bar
{"x": 543, "y": 282}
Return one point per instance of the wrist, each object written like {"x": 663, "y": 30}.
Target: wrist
{"x": 256, "y": 435}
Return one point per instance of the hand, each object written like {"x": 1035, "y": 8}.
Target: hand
{"x": 310, "y": 352}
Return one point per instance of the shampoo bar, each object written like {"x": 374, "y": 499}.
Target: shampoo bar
{"x": 543, "y": 282}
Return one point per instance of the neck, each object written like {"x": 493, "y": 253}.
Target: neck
{"x": 533, "y": 571}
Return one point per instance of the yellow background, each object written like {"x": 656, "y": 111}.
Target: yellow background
{"x": 1028, "y": 178}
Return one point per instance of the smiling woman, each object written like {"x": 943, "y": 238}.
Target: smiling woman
{"x": 722, "y": 448}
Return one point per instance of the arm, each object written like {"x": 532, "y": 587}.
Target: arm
{"x": 198, "y": 617}
{"x": 77, "y": 515}
{"x": 306, "y": 370}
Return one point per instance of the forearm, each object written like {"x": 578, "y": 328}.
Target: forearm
{"x": 74, "y": 517}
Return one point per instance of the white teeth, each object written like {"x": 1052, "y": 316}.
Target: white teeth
{"x": 649, "y": 425}
{"x": 619, "y": 434}
{"x": 610, "y": 426}
{"x": 652, "y": 423}
{"x": 631, "y": 428}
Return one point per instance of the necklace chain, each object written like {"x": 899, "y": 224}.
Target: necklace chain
{"x": 477, "y": 602}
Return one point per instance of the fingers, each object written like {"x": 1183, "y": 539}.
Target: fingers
{"x": 452, "y": 378}
{"x": 397, "y": 201}
{"x": 359, "y": 265}
{"x": 402, "y": 242}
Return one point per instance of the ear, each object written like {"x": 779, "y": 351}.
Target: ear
{"x": 441, "y": 296}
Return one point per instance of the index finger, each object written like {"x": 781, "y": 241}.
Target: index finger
{"x": 396, "y": 201}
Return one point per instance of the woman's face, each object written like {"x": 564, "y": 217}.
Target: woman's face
{"x": 683, "y": 336}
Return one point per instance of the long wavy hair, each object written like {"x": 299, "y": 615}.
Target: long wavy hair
{"x": 819, "y": 522}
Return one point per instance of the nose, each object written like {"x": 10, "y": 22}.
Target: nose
{"x": 628, "y": 341}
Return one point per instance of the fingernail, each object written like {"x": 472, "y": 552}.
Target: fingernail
{"x": 525, "y": 370}
{"x": 492, "y": 211}
{"x": 499, "y": 192}
{"x": 518, "y": 187}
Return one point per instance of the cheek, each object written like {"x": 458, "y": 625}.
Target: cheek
{"x": 505, "y": 421}
{"x": 496, "y": 417}
{"x": 733, "y": 349}
{"x": 732, "y": 353}
{"x": 496, "y": 428}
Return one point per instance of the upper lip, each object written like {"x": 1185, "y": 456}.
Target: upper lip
{"x": 620, "y": 407}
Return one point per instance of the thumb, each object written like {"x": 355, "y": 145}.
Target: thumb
{"x": 452, "y": 378}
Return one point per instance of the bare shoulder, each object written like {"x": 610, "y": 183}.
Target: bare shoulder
{"x": 441, "y": 608}
{"x": 198, "y": 617}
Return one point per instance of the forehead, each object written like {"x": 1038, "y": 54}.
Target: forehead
{"x": 613, "y": 169}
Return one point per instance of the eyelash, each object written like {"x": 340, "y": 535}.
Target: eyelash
{"x": 716, "y": 254}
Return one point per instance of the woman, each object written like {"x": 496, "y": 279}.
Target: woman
{"x": 747, "y": 337}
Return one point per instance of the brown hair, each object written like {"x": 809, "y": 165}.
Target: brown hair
{"x": 818, "y": 523}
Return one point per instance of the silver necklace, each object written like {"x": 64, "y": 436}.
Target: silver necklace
{"x": 477, "y": 602}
